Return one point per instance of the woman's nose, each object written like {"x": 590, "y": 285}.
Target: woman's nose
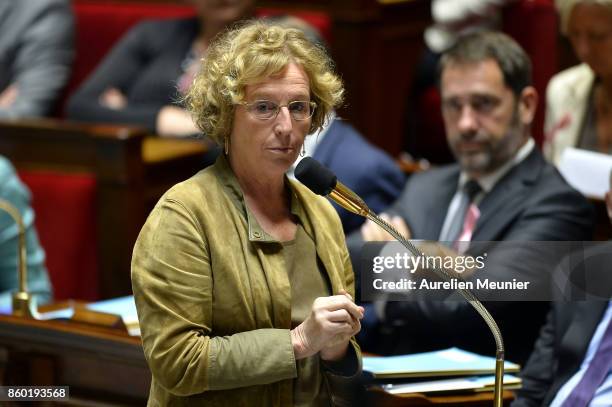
{"x": 284, "y": 122}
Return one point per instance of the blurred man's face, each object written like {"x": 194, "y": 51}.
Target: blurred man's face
{"x": 222, "y": 12}
{"x": 485, "y": 124}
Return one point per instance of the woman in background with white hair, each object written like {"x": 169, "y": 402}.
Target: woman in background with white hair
{"x": 579, "y": 99}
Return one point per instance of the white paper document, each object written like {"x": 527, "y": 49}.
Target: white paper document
{"x": 587, "y": 171}
{"x": 475, "y": 383}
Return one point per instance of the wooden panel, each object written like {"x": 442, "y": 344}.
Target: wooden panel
{"x": 376, "y": 48}
{"x": 98, "y": 364}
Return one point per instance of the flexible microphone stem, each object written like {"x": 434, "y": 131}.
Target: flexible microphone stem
{"x": 322, "y": 181}
{"x": 469, "y": 296}
{"x": 349, "y": 200}
{"x": 23, "y": 305}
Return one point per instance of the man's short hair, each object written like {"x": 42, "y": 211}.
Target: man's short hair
{"x": 478, "y": 47}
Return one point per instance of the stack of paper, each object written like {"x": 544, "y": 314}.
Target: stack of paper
{"x": 475, "y": 383}
{"x": 448, "y": 362}
{"x": 475, "y": 369}
{"x": 125, "y": 307}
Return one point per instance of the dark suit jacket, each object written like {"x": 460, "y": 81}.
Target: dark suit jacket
{"x": 531, "y": 202}
{"x": 559, "y": 351}
{"x": 362, "y": 167}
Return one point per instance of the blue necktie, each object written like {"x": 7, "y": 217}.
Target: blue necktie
{"x": 595, "y": 373}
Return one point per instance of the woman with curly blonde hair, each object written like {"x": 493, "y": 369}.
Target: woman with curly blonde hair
{"x": 241, "y": 277}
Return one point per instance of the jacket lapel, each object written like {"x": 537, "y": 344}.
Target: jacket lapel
{"x": 572, "y": 108}
{"x": 327, "y": 247}
{"x": 581, "y": 322}
{"x": 438, "y": 205}
{"x": 502, "y": 204}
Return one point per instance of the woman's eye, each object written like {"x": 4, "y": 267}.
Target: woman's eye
{"x": 298, "y": 106}
{"x": 263, "y": 107}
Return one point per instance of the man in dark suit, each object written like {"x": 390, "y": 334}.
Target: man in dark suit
{"x": 560, "y": 357}
{"x": 500, "y": 189}
{"x": 364, "y": 168}
{"x": 576, "y": 338}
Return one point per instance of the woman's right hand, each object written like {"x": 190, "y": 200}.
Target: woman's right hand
{"x": 332, "y": 321}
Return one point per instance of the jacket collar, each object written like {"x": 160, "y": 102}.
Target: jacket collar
{"x": 230, "y": 182}
{"x": 509, "y": 192}
{"x": 303, "y": 206}
{"x": 581, "y": 87}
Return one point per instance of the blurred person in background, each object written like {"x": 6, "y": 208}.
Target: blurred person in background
{"x": 36, "y": 50}
{"x": 571, "y": 362}
{"x": 142, "y": 79}
{"x": 17, "y": 194}
{"x": 579, "y": 99}
{"x": 242, "y": 278}
{"x": 451, "y": 19}
{"x": 500, "y": 189}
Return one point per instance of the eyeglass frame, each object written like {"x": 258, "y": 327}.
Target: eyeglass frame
{"x": 248, "y": 105}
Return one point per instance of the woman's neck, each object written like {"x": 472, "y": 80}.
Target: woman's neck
{"x": 262, "y": 187}
{"x": 269, "y": 201}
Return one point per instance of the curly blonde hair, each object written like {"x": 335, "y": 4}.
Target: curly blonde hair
{"x": 247, "y": 55}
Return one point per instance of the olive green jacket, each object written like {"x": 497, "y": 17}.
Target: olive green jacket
{"x": 214, "y": 302}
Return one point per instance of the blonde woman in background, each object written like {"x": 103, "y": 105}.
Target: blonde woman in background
{"x": 579, "y": 99}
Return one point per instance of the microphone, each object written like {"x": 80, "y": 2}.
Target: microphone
{"x": 23, "y": 302}
{"x": 322, "y": 181}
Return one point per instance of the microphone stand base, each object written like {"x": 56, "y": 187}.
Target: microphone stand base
{"x": 23, "y": 305}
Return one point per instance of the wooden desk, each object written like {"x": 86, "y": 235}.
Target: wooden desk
{"x": 377, "y": 397}
{"x": 102, "y": 365}
{"x": 98, "y": 364}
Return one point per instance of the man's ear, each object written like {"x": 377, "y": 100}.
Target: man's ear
{"x": 528, "y": 103}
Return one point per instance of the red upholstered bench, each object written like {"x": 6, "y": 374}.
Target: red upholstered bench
{"x": 99, "y": 24}
{"x": 65, "y": 208}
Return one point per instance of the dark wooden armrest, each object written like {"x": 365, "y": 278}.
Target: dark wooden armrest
{"x": 74, "y": 129}
{"x": 71, "y": 147}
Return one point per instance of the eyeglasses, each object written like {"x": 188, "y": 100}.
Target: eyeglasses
{"x": 266, "y": 110}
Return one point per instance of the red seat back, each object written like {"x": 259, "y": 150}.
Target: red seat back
{"x": 65, "y": 208}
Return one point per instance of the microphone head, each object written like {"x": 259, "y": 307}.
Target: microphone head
{"x": 318, "y": 178}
